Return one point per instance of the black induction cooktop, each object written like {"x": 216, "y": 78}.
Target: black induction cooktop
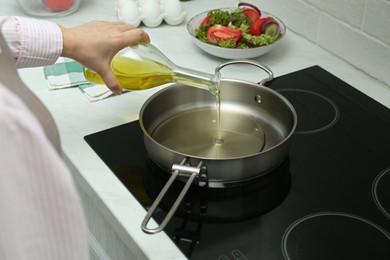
{"x": 330, "y": 198}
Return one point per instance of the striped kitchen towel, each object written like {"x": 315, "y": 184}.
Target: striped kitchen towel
{"x": 66, "y": 73}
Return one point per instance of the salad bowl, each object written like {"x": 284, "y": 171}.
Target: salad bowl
{"x": 232, "y": 53}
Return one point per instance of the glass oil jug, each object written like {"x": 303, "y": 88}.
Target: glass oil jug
{"x": 143, "y": 66}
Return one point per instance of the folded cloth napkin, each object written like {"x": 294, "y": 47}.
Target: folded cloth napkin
{"x": 95, "y": 92}
{"x": 67, "y": 73}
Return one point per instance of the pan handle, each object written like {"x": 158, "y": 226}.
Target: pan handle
{"x": 261, "y": 66}
{"x": 192, "y": 173}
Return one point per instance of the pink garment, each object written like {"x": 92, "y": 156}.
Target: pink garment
{"x": 41, "y": 214}
{"x": 33, "y": 42}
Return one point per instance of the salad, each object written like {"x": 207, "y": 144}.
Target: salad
{"x": 243, "y": 28}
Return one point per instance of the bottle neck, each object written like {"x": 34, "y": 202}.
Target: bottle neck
{"x": 197, "y": 79}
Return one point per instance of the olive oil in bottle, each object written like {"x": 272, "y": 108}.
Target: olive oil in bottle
{"x": 143, "y": 66}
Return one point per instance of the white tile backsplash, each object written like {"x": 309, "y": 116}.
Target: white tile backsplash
{"x": 354, "y": 46}
{"x": 349, "y": 11}
{"x": 358, "y": 31}
{"x": 377, "y": 20}
{"x": 305, "y": 16}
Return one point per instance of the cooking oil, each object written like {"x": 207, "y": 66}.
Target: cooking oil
{"x": 135, "y": 74}
{"x": 143, "y": 66}
{"x": 198, "y": 133}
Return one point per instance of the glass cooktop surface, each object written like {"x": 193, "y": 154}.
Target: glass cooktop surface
{"x": 330, "y": 198}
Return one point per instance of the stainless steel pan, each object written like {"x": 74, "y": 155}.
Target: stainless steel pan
{"x": 274, "y": 115}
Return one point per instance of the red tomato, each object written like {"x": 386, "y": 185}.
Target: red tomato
{"x": 206, "y": 20}
{"x": 58, "y": 5}
{"x": 257, "y": 27}
{"x": 251, "y": 14}
{"x": 219, "y": 32}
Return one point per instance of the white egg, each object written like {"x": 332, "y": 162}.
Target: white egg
{"x": 120, "y": 3}
{"x": 151, "y": 9}
{"x": 172, "y": 8}
{"x": 128, "y": 12}
{"x": 150, "y": 12}
{"x": 141, "y": 2}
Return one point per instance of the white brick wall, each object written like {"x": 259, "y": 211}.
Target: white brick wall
{"x": 358, "y": 31}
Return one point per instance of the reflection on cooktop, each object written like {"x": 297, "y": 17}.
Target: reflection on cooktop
{"x": 337, "y": 201}
{"x": 221, "y": 205}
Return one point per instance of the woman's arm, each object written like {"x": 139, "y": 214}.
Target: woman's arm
{"x": 94, "y": 44}
{"x": 36, "y": 43}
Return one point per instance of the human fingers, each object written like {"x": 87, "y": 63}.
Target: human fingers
{"x": 111, "y": 81}
{"x": 134, "y": 36}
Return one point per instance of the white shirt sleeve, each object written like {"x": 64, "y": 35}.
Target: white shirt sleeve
{"x": 33, "y": 42}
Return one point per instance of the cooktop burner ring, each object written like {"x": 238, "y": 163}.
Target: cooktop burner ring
{"x": 376, "y": 196}
{"x": 320, "y": 99}
{"x": 384, "y": 235}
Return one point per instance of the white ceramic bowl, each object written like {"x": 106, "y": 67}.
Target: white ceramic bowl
{"x": 228, "y": 53}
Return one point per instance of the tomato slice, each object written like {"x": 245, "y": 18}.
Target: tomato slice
{"x": 247, "y": 5}
{"x": 206, "y": 20}
{"x": 251, "y": 14}
{"x": 257, "y": 28}
{"x": 219, "y": 32}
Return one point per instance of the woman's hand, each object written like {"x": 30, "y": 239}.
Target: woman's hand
{"x": 94, "y": 44}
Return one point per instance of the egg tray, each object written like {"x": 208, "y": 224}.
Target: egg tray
{"x": 150, "y": 12}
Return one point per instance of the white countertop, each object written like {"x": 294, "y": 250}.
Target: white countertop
{"x": 77, "y": 117}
